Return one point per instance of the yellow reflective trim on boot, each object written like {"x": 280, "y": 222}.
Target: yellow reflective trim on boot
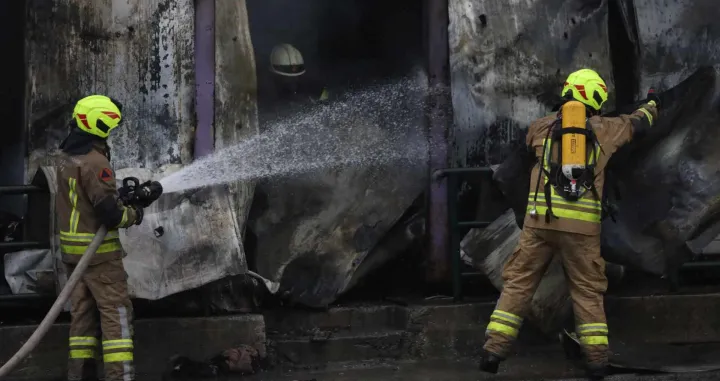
{"x": 118, "y": 344}
{"x": 507, "y": 316}
{"x": 118, "y": 357}
{"x": 83, "y": 341}
{"x": 502, "y": 328}
{"x": 584, "y": 329}
{"x": 82, "y": 354}
{"x": 594, "y": 340}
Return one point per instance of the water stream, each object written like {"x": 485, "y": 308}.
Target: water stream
{"x": 379, "y": 125}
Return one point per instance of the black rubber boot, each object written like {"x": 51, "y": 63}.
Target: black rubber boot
{"x": 596, "y": 372}
{"x": 490, "y": 362}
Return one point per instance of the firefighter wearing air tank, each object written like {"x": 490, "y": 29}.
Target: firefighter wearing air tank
{"x": 564, "y": 212}
{"x": 87, "y": 198}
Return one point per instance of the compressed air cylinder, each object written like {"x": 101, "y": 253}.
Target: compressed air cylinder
{"x": 573, "y": 144}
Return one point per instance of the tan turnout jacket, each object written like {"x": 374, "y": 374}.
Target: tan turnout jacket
{"x": 86, "y": 189}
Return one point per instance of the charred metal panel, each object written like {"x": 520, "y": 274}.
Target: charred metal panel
{"x": 137, "y": 51}
{"x": 508, "y": 60}
{"x": 200, "y": 244}
{"x": 676, "y": 38}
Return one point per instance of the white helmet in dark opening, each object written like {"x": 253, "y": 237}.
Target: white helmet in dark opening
{"x": 287, "y": 61}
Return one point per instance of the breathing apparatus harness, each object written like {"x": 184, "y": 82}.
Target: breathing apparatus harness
{"x": 569, "y": 182}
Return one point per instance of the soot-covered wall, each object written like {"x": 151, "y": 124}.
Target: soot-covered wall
{"x": 138, "y": 51}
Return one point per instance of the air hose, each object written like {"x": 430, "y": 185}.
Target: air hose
{"x": 49, "y": 319}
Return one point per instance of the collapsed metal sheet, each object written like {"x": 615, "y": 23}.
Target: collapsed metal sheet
{"x": 676, "y": 39}
{"x": 201, "y": 243}
{"x": 668, "y": 183}
{"x": 508, "y": 60}
{"x": 318, "y": 229}
{"x": 315, "y": 230}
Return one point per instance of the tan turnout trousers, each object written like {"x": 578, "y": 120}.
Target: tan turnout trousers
{"x": 101, "y": 291}
{"x": 585, "y": 271}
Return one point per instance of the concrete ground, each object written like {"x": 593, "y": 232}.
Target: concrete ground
{"x": 547, "y": 365}
{"x": 461, "y": 371}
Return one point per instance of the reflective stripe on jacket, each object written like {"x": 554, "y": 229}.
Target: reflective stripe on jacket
{"x": 86, "y": 182}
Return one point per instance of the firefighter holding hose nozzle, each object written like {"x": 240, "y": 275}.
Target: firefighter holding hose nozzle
{"x": 564, "y": 211}
{"x": 87, "y": 197}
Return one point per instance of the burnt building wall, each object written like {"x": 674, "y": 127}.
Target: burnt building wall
{"x": 139, "y": 52}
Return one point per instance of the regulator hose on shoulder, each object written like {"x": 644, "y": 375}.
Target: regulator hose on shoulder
{"x": 49, "y": 319}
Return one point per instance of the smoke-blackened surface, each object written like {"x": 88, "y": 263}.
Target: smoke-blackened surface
{"x": 138, "y": 52}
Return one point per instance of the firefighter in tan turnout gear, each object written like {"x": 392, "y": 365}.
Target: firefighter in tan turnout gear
{"x": 87, "y": 198}
{"x": 563, "y": 216}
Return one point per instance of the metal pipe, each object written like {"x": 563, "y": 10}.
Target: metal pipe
{"x": 440, "y": 173}
{"x": 701, "y": 264}
{"x": 20, "y": 189}
{"x": 23, "y": 245}
{"x": 473, "y": 224}
{"x": 439, "y": 116}
{"x": 204, "y": 77}
{"x": 22, "y": 297}
{"x": 49, "y": 319}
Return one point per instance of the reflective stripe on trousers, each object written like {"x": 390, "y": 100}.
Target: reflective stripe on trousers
{"x": 593, "y": 334}
{"x": 82, "y": 347}
{"x": 504, "y": 322}
{"x": 121, "y": 350}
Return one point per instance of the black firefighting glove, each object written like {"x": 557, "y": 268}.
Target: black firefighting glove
{"x": 653, "y": 97}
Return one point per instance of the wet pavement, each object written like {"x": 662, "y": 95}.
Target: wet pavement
{"x": 521, "y": 369}
{"x": 458, "y": 371}
{"x": 550, "y": 365}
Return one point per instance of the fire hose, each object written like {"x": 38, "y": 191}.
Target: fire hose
{"x": 49, "y": 319}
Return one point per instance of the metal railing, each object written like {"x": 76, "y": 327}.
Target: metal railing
{"x": 454, "y": 176}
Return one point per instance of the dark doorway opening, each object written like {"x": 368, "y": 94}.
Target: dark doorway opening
{"x": 12, "y": 117}
{"x": 344, "y": 44}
